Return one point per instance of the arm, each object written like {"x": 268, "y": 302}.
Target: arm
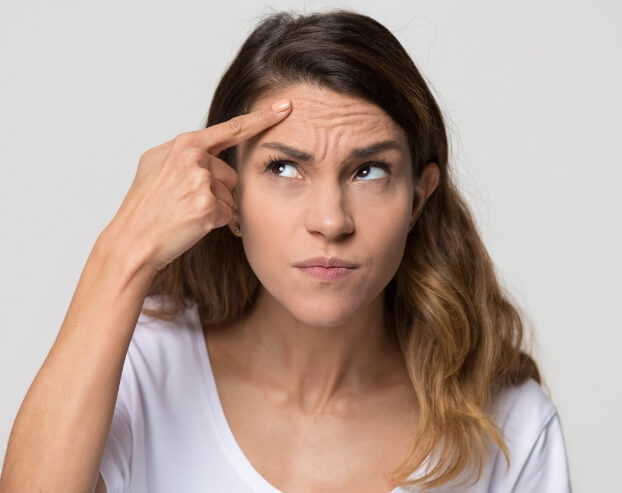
{"x": 60, "y": 431}
{"x": 180, "y": 193}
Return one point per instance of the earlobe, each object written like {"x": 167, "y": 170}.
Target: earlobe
{"x": 234, "y": 224}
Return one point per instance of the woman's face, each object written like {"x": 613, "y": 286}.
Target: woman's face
{"x": 328, "y": 194}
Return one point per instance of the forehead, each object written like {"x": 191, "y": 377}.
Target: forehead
{"x": 321, "y": 113}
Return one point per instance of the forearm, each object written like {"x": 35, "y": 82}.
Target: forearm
{"x": 60, "y": 431}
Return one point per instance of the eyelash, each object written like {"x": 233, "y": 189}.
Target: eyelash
{"x": 379, "y": 163}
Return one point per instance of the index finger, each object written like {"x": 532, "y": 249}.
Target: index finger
{"x": 221, "y": 136}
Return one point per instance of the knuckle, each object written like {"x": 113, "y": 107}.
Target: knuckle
{"x": 217, "y": 217}
{"x": 265, "y": 115}
{"x": 143, "y": 160}
{"x": 146, "y": 156}
{"x": 193, "y": 154}
{"x": 203, "y": 180}
{"x": 203, "y": 203}
{"x": 226, "y": 216}
{"x": 207, "y": 227}
{"x": 146, "y": 162}
{"x": 182, "y": 140}
{"x": 235, "y": 125}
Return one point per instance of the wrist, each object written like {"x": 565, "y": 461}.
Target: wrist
{"x": 129, "y": 259}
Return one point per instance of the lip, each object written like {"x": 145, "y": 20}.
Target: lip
{"x": 327, "y": 273}
{"x": 326, "y": 263}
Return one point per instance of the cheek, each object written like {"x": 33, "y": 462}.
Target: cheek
{"x": 386, "y": 233}
{"x": 273, "y": 239}
{"x": 264, "y": 213}
{"x": 271, "y": 221}
{"x": 267, "y": 229}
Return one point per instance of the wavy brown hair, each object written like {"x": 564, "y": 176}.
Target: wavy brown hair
{"x": 461, "y": 337}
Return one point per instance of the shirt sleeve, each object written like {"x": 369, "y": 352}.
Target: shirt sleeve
{"x": 546, "y": 468}
{"x": 115, "y": 464}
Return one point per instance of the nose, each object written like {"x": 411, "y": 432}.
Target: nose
{"x": 327, "y": 212}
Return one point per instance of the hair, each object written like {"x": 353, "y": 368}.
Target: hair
{"x": 460, "y": 336}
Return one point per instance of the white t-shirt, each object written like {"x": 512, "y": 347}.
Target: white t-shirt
{"x": 169, "y": 432}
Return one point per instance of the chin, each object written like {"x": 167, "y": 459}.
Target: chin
{"x": 319, "y": 313}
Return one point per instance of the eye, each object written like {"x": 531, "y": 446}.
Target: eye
{"x": 277, "y": 166}
{"x": 379, "y": 165}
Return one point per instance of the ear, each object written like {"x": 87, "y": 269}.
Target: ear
{"x": 234, "y": 224}
{"x": 423, "y": 188}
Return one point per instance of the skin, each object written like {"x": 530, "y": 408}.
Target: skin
{"x": 180, "y": 193}
{"x": 316, "y": 360}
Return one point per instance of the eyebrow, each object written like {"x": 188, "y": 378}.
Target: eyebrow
{"x": 355, "y": 154}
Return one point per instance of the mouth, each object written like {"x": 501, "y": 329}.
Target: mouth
{"x": 327, "y": 262}
{"x": 327, "y": 273}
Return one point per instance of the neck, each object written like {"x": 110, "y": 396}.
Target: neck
{"x": 314, "y": 367}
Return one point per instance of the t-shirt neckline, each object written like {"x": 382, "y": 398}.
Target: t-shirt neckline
{"x": 232, "y": 449}
{"x": 234, "y": 453}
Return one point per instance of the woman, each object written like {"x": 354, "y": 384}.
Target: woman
{"x": 344, "y": 332}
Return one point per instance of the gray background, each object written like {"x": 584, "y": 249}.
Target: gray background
{"x": 531, "y": 92}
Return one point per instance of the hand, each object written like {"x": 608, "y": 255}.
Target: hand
{"x": 182, "y": 191}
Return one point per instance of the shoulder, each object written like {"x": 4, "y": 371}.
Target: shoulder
{"x": 527, "y": 400}
{"x": 532, "y": 430}
{"x": 523, "y": 411}
{"x": 151, "y": 331}
{"x": 529, "y": 424}
{"x": 159, "y": 346}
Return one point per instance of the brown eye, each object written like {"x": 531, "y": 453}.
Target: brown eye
{"x": 368, "y": 171}
{"x": 278, "y": 166}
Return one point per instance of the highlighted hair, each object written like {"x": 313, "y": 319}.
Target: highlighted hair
{"x": 461, "y": 337}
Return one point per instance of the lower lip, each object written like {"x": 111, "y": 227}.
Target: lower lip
{"x": 326, "y": 273}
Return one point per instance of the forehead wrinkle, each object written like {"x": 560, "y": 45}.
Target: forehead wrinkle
{"x": 338, "y": 141}
{"x": 323, "y": 125}
{"x": 341, "y": 134}
{"x": 334, "y": 117}
{"x": 341, "y": 139}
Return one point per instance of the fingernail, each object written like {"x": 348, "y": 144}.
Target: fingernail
{"x": 280, "y": 106}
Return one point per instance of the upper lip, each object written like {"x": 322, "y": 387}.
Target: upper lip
{"x": 326, "y": 262}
